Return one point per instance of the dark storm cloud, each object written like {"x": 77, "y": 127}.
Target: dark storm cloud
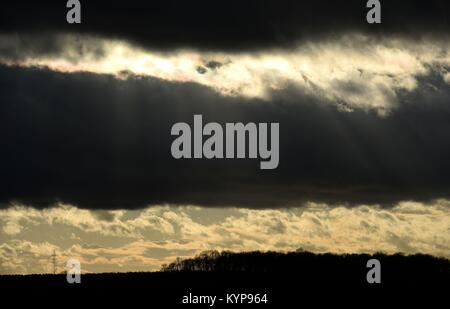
{"x": 18, "y": 47}
{"x": 98, "y": 142}
{"x": 227, "y": 24}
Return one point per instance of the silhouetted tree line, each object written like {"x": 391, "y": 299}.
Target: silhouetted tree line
{"x": 262, "y": 269}
{"x": 308, "y": 265}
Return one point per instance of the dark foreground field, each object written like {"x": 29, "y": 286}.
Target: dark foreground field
{"x": 285, "y": 278}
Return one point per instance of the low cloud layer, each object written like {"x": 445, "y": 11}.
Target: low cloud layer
{"x": 145, "y": 239}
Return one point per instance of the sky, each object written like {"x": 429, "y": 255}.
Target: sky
{"x": 86, "y": 113}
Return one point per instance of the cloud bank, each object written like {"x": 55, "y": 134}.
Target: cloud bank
{"x": 97, "y": 141}
{"x": 228, "y": 25}
{"x": 145, "y": 239}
